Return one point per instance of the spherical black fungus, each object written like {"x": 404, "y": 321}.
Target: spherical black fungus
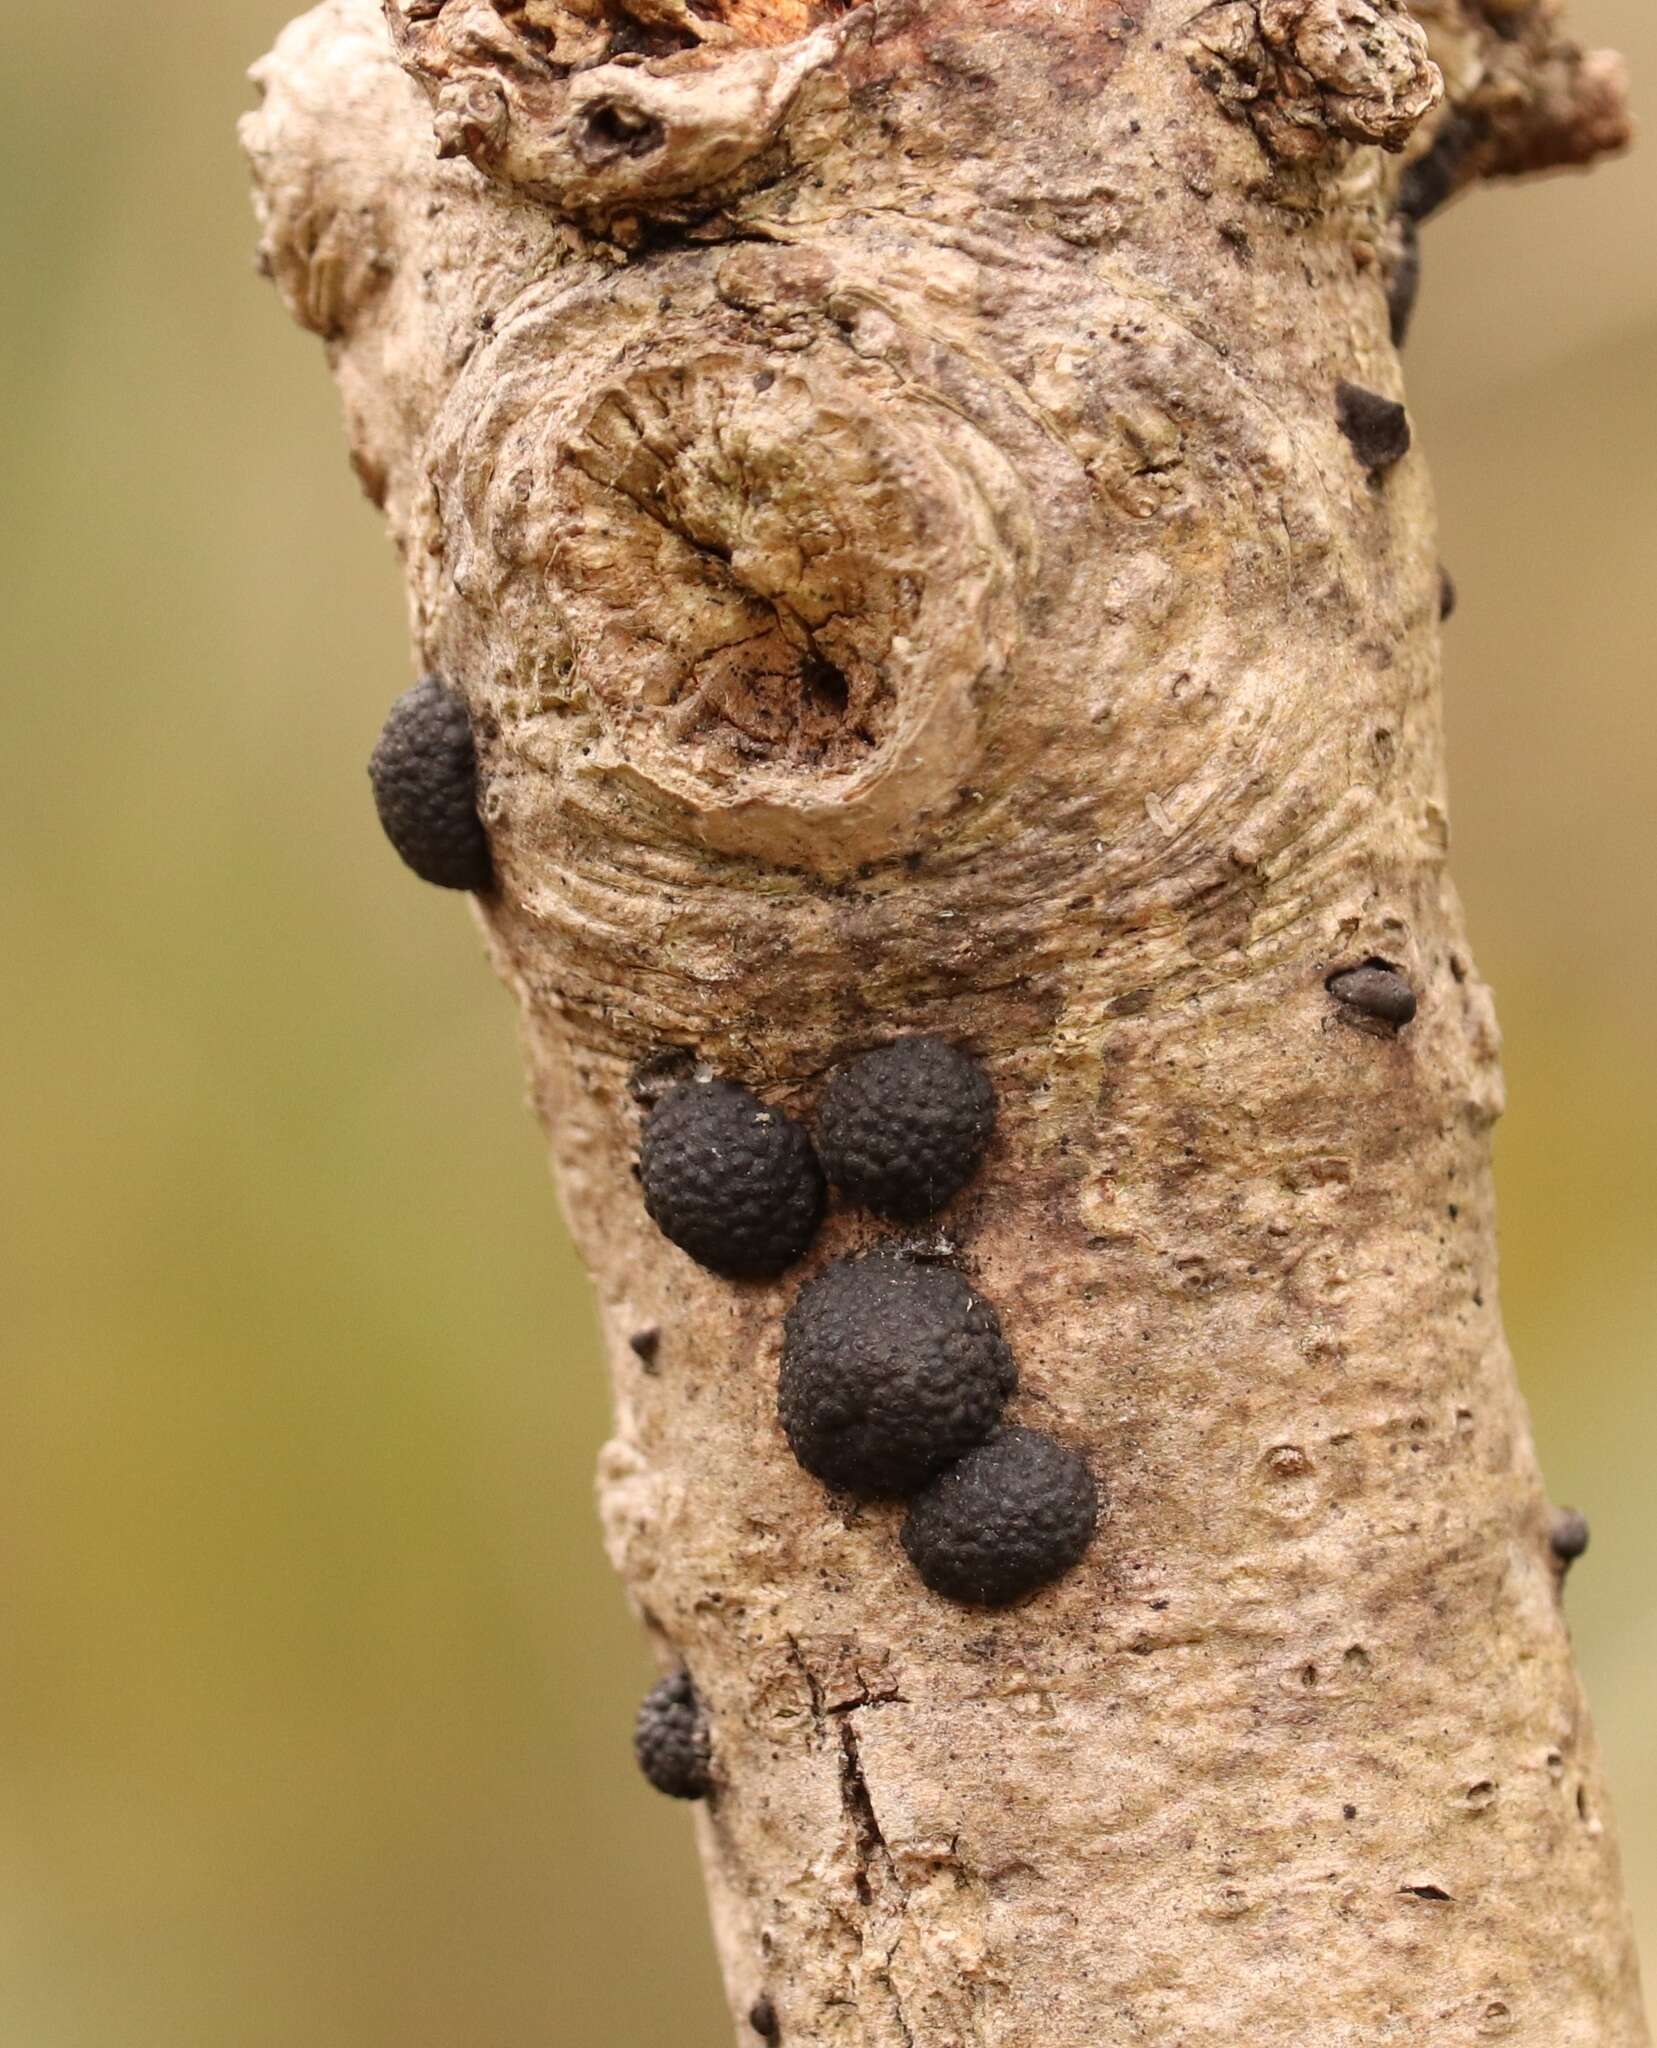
{"x": 1446, "y": 595}
{"x": 1378, "y": 428}
{"x": 670, "y": 1739}
{"x": 903, "y": 1129}
{"x": 735, "y": 1184}
{"x": 1568, "y": 1537}
{"x": 889, "y": 1370}
{"x": 425, "y": 776}
{"x": 1404, "y": 287}
{"x": 1010, "y": 1516}
{"x": 763, "y": 2020}
{"x": 1375, "y": 990}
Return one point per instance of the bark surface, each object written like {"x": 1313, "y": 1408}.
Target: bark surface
{"x": 877, "y": 479}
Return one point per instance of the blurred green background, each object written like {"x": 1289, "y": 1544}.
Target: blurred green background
{"x": 314, "y": 1686}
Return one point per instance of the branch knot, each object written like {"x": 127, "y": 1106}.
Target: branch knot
{"x": 669, "y": 120}
{"x": 1309, "y": 72}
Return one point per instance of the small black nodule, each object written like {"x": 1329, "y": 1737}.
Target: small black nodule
{"x": 890, "y": 1369}
{"x": 1568, "y": 1538}
{"x": 904, "y": 1128}
{"x": 1376, "y": 989}
{"x": 424, "y": 772}
{"x": 1013, "y": 1515}
{"x": 1377, "y": 428}
{"x": 670, "y": 1739}
{"x": 1436, "y": 173}
{"x": 729, "y": 1180}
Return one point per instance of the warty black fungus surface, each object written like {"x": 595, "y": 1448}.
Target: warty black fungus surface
{"x": 730, "y": 1180}
{"x": 889, "y": 1370}
{"x": 670, "y": 1739}
{"x": 903, "y": 1129}
{"x": 1377, "y": 428}
{"x": 424, "y": 771}
{"x": 1010, "y": 1516}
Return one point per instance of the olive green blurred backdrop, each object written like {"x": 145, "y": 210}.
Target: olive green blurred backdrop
{"x": 314, "y": 1687}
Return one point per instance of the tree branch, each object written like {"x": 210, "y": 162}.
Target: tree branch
{"x": 917, "y": 506}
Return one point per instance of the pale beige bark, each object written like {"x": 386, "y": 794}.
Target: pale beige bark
{"x": 875, "y": 477}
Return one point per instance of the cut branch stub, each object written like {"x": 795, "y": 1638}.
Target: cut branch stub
{"x": 608, "y": 113}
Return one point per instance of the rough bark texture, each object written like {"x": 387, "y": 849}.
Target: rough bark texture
{"x": 877, "y": 479}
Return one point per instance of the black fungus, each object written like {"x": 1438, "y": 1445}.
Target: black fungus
{"x": 733, "y": 1182}
{"x": 1435, "y": 174}
{"x": 763, "y": 2019}
{"x": 670, "y": 1739}
{"x": 903, "y": 1129}
{"x": 647, "y": 1347}
{"x": 424, "y": 770}
{"x": 1375, "y": 990}
{"x": 1378, "y": 428}
{"x": 1568, "y": 1538}
{"x": 1404, "y": 286}
{"x": 1446, "y": 595}
{"x": 889, "y": 1370}
{"x": 1012, "y": 1515}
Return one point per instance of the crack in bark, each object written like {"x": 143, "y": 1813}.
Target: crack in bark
{"x": 876, "y": 1881}
{"x": 872, "y": 1846}
{"x": 876, "y": 1878}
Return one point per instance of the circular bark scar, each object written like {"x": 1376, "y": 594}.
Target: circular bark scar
{"x": 781, "y": 585}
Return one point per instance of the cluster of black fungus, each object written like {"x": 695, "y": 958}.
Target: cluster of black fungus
{"x": 1377, "y": 428}
{"x": 424, "y": 771}
{"x": 903, "y": 1129}
{"x": 894, "y": 1370}
{"x": 738, "y": 1184}
{"x": 670, "y": 1739}
{"x": 1011, "y": 1515}
{"x": 890, "y": 1369}
{"x": 730, "y": 1180}
{"x": 894, "y": 1376}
